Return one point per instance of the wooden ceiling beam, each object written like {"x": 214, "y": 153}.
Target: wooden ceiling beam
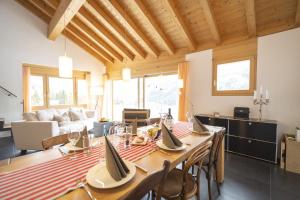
{"x": 33, "y": 9}
{"x": 251, "y": 18}
{"x": 210, "y": 19}
{"x": 134, "y": 27}
{"x": 41, "y": 10}
{"x": 297, "y": 18}
{"x": 63, "y": 15}
{"x": 155, "y": 26}
{"x": 170, "y": 5}
{"x": 80, "y": 24}
{"x": 84, "y": 46}
{"x": 105, "y": 32}
{"x": 90, "y": 42}
{"x": 118, "y": 28}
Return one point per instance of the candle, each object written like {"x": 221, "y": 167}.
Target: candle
{"x": 267, "y": 94}
{"x": 261, "y": 90}
{"x": 254, "y": 96}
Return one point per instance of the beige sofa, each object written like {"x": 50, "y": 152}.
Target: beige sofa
{"x": 36, "y": 126}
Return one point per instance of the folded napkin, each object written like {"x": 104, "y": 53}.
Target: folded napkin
{"x": 134, "y": 127}
{"x": 199, "y": 127}
{"x": 79, "y": 143}
{"x": 114, "y": 163}
{"x": 170, "y": 140}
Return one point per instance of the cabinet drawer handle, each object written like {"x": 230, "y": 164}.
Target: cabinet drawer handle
{"x": 249, "y": 141}
{"x": 250, "y": 123}
{"x": 209, "y": 119}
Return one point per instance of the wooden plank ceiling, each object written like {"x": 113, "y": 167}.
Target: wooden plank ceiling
{"x": 116, "y": 31}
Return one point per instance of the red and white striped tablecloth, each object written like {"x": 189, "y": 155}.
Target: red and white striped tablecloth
{"x": 53, "y": 178}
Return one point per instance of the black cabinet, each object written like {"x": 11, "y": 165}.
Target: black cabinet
{"x": 252, "y": 138}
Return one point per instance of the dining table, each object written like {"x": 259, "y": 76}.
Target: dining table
{"x": 148, "y": 159}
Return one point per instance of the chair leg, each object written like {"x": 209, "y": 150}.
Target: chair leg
{"x": 208, "y": 177}
{"x": 152, "y": 195}
{"x": 217, "y": 182}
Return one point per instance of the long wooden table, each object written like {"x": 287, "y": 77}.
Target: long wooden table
{"x": 152, "y": 162}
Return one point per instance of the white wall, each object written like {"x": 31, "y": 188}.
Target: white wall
{"x": 23, "y": 40}
{"x": 278, "y": 70}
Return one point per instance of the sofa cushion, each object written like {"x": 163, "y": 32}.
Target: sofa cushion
{"x": 46, "y": 115}
{"x": 64, "y": 118}
{"x": 30, "y": 116}
{"x": 76, "y": 115}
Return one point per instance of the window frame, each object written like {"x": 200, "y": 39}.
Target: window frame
{"x": 252, "y": 79}
{"x": 141, "y": 95}
{"x": 46, "y": 72}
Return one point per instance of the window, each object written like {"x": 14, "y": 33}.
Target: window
{"x": 82, "y": 92}
{"x": 60, "y": 91}
{"x": 48, "y": 90}
{"x": 236, "y": 77}
{"x": 157, "y": 93}
{"x": 37, "y": 90}
{"x": 125, "y": 95}
{"x": 161, "y": 93}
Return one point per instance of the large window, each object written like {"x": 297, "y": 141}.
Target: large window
{"x": 125, "y": 95}
{"x": 37, "y": 91}
{"x": 49, "y": 90}
{"x": 236, "y": 77}
{"x": 157, "y": 93}
{"x": 161, "y": 93}
{"x": 60, "y": 91}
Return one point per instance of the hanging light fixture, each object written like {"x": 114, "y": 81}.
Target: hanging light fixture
{"x": 65, "y": 63}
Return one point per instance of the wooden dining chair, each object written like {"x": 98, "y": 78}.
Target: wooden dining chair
{"x": 210, "y": 162}
{"x": 59, "y": 139}
{"x": 156, "y": 179}
{"x": 180, "y": 184}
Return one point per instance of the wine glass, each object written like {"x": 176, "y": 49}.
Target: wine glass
{"x": 189, "y": 117}
{"x": 73, "y": 138}
{"x": 127, "y": 136}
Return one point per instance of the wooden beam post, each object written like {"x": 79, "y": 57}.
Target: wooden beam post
{"x": 250, "y": 16}
{"x": 170, "y": 5}
{"x": 210, "y": 18}
{"x": 134, "y": 27}
{"x": 155, "y": 26}
{"x": 63, "y": 15}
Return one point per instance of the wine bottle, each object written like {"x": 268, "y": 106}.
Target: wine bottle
{"x": 169, "y": 120}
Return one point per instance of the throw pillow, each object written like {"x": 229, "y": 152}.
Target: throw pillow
{"x": 46, "y": 115}
{"x": 77, "y": 115}
{"x": 30, "y": 116}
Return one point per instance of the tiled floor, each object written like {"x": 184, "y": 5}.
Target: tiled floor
{"x": 245, "y": 178}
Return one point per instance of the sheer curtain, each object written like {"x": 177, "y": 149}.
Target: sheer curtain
{"x": 183, "y": 74}
{"x": 26, "y": 89}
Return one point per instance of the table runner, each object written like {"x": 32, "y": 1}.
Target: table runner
{"x": 53, "y": 178}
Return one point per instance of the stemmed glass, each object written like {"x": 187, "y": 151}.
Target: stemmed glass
{"x": 189, "y": 117}
{"x": 73, "y": 137}
{"x": 127, "y": 136}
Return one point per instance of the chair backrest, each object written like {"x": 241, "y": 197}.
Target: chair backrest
{"x": 217, "y": 141}
{"x": 155, "y": 179}
{"x": 196, "y": 159}
{"x": 59, "y": 139}
{"x": 141, "y": 115}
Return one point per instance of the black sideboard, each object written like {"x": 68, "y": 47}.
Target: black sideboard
{"x": 249, "y": 137}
